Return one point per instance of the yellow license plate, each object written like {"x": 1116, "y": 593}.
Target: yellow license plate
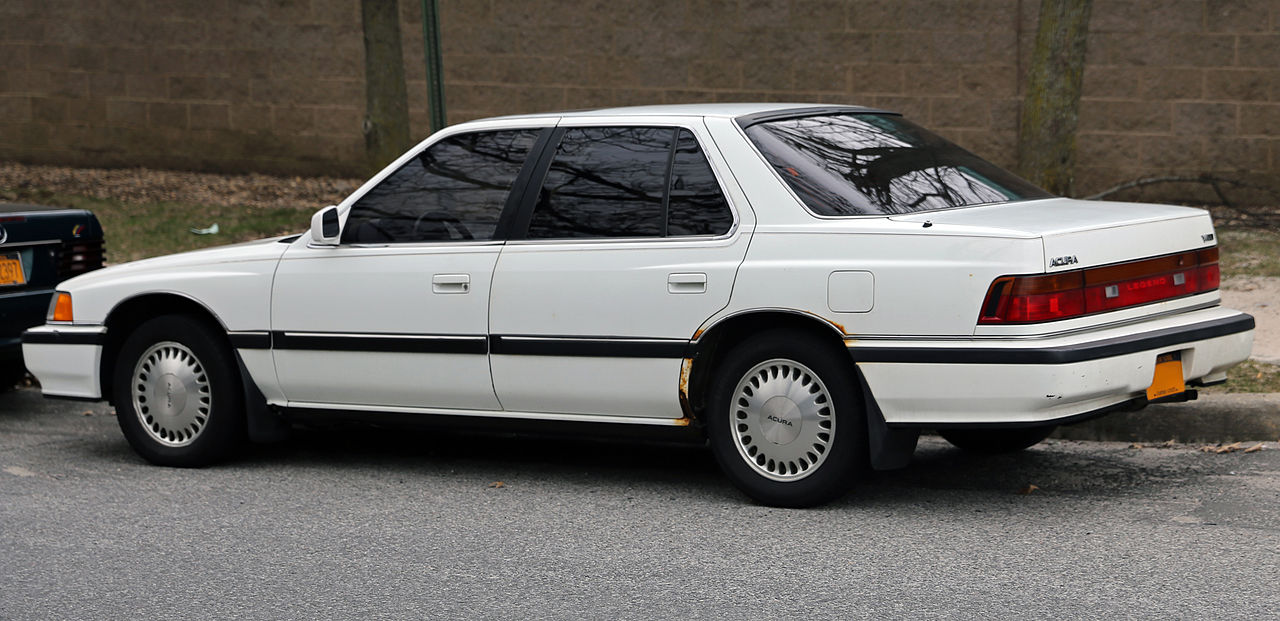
{"x": 11, "y": 270}
{"x": 1168, "y": 377}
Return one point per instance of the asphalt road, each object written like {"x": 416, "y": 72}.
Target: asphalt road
{"x": 375, "y": 524}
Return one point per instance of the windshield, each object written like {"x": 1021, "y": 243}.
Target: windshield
{"x": 877, "y": 164}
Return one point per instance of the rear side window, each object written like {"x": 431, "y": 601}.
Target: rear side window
{"x": 696, "y": 205}
{"x": 455, "y": 190}
{"x": 874, "y": 164}
{"x": 629, "y": 182}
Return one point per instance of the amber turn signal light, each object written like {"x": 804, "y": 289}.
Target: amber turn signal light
{"x": 61, "y": 307}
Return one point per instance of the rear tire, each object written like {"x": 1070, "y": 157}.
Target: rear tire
{"x": 177, "y": 393}
{"x": 996, "y": 441}
{"x": 785, "y": 421}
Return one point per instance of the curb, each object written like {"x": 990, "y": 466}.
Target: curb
{"x": 1215, "y": 417}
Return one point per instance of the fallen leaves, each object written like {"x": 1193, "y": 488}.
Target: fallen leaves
{"x": 497, "y": 484}
{"x": 1221, "y": 449}
{"x": 141, "y": 185}
{"x": 1163, "y": 445}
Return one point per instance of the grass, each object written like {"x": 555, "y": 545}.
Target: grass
{"x": 1250, "y": 376}
{"x": 140, "y": 230}
{"x": 1249, "y": 251}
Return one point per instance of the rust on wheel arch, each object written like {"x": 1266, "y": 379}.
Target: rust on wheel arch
{"x": 686, "y": 369}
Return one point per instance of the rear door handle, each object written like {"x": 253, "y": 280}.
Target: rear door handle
{"x": 451, "y": 283}
{"x": 689, "y": 282}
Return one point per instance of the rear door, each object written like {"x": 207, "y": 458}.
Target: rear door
{"x": 627, "y": 246}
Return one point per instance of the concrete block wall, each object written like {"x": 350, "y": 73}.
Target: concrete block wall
{"x": 1172, "y": 87}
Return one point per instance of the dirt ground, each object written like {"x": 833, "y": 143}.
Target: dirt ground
{"x": 1256, "y": 295}
{"x": 142, "y": 185}
{"x": 1259, "y": 296}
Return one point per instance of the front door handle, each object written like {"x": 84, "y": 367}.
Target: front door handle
{"x": 687, "y": 283}
{"x": 451, "y": 283}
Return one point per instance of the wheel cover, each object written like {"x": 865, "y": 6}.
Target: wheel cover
{"x": 171, "y": 394}
{"x": 782, "y": 420}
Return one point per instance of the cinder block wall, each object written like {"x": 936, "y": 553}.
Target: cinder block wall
{"x": 1173, "y": 87}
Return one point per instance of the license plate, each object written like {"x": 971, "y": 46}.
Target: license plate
{"x": 11, "y": 270}
{"x": 1168, "y": 377}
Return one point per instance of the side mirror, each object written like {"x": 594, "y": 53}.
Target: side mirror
{"x": 324, "y": 227}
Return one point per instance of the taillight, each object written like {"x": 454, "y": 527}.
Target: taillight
{"x": 79, "y": 256}
{"x": 1050, "y": 297}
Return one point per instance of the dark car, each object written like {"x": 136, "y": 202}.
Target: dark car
{"x": 40, "y": 246}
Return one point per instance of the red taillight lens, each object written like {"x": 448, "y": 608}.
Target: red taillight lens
{"x": 1049, "y": 297}
{"x": 1209, "y": 275}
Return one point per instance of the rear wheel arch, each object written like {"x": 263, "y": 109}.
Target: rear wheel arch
{"x": 708, "y": 350}
{"x": 889, "y": 448}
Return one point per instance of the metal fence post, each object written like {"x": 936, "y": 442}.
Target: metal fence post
{"x": 435, "y": 75}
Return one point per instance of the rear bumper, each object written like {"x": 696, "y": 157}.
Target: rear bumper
{"x": 18, "y": 311}
{"x": 65, "y": 359}
{"x": 1045, "y": 380}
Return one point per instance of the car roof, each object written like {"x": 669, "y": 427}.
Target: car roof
{"x": 722, "y": 110}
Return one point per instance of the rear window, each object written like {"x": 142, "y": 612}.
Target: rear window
{"x": 877, "y": 164}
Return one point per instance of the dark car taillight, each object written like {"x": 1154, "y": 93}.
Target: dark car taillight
{"x": 1049, "y": 297}
{"x": 78, "y": 256}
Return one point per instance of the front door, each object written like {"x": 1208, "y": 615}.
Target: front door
{"x": 397, "y": 313}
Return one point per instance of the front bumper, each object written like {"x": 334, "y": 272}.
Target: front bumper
{"x": 66, "y": 359}
{"x": 1019, "y": 381}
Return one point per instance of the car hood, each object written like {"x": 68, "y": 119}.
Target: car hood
{"x": 1080, "y": 233}
{"x": 263, "y": 249}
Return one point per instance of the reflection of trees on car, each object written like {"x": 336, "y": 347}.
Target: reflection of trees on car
{"x": 878, "y": 164}
{"x": 629, "y": 182}
{"x": 455, "y": 190}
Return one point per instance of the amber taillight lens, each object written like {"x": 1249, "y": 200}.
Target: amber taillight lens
{"x": 1050, "y": 297}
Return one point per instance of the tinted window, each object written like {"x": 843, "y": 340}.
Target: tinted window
{"x": 455, "y": 190}
{"x": 860, "y": 164}
{"x": 629, "y": 182}
{"x": 695, "y": 206}
{"x": 604, "y": 182}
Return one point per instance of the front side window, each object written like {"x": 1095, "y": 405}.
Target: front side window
{"x": 877, "y": 164}
{"x": 454, "y": 190}
{"x": 629, "y": 182}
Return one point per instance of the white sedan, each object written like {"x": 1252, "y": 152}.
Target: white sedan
{"x": 806, "y": 286}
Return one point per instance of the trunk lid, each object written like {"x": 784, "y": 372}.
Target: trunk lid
{"x": 1079, "y": 233}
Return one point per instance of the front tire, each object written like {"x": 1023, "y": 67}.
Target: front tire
{"x": 785, "y": 421}
{"x": 996, "y": 441}
{"x": 177, "y": 393}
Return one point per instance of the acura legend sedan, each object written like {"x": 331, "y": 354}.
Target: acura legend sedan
{"x": 807, "y": 287}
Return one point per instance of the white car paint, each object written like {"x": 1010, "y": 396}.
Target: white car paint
{"x": 920, "y": 281}
{"x": 439, "y": 290}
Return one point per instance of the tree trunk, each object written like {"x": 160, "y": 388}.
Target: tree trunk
{"x": 1051, "y": 106}
{"x": 386, "y": 121}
